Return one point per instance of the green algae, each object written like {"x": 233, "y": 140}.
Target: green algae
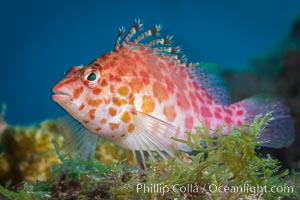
{"x": 228, "y": 163}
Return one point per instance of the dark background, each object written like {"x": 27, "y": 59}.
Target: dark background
{"x": 40, "y": 40}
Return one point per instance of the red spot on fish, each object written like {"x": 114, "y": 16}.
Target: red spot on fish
{"x": 104, "y": 83}
{"x": 240, "y": 112}
{"x": 228, "y": 111}
{"x": 200, "y": 97}
{"x": 228, "y": 120}
{"x": 182, "y": 101}
{"x": 136, "y": 85}
{"x": 144, "y": 74}
{"x": 218, "y": 109}
{"x": 170, "y": 85}
{"x": 81, "y": 107}
{"x": 77, "y": 92}
{"x": 113, "y": 126}
{"x": 189, "y": 123}
{"x": 85, "y": 121}
{"x": 159, "y": 92}
{"x": 97, "y": 91}
{"x": 170, "y": 113}
{"x": 217, "y": 114}
{"x": 112, "y": 111}
{"x": 194, "y": 102}
{"x": 98, "y": 129}
{"x": 110, "y": 77}
{"x": 92, "y": 113}
{"x": 94, "y": 102}
{"x": 205, "y": 112}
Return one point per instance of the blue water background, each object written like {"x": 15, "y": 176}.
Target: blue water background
{"x": 40, "y": 40}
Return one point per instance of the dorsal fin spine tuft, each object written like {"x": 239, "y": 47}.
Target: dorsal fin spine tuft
{"x": 160, "y": 46}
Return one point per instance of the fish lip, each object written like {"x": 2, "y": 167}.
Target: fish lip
{"x": 60, "y": 96}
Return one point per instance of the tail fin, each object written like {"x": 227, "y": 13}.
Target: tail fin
{"x": 277, "y": 133}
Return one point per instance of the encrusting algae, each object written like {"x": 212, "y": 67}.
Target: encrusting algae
{"x": 229, "y": 162}
{"x": 27, "y": 153}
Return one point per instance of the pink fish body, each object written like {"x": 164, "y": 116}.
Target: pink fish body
{"x": 140, "y": 95}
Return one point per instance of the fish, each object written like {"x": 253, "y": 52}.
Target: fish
{"x": 144, "y": 93}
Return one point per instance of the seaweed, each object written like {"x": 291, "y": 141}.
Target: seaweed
{"x": 221, "y": 167}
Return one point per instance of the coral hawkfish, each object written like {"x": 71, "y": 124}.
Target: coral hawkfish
{"x": 143, "y": 93}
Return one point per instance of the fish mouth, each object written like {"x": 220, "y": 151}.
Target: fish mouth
{"x": 60, "y": 96}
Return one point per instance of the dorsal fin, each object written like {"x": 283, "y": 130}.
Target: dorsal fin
{"x": 161, "y": 46}
{"x": 207, "y": 76}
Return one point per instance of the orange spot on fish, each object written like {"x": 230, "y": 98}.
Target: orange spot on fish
{"x": 136, "y": 85}
{"x": 81, "y": 107}
{"x": 98, "y": 129}
{"x": 92, "y": 113}
{"x": 131, "y": 98}
{"x": 113, "y": 126}
{"x": 119, "y": 102}
{"x": 148, "y": 104}
{"x": 170, "y": 113}
{"x": 131, "y": 128}
{"x": 112, "y": 88}
{"x": 123, "y": 90}
{"x": 159, "y": 92}
{"x": 97, "y": 91}
{"x": 170, "y": 85}
{"x": 103, "y": 121}
{"x": 182, "y": 101}
{"x": 125, "y": 117}
{"x": 112, "y": 111}
{"x": 94, "y": 102}
{"x": 77, "y": 92}
{"x": 104, "y": 83}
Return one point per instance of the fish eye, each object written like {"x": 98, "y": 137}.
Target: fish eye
{"x": 91, "y": 76}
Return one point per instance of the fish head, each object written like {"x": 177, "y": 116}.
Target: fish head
{"x": 102, "y": 103}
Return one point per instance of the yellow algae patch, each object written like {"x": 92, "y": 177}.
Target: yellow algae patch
{"x": 148, "y": 104}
